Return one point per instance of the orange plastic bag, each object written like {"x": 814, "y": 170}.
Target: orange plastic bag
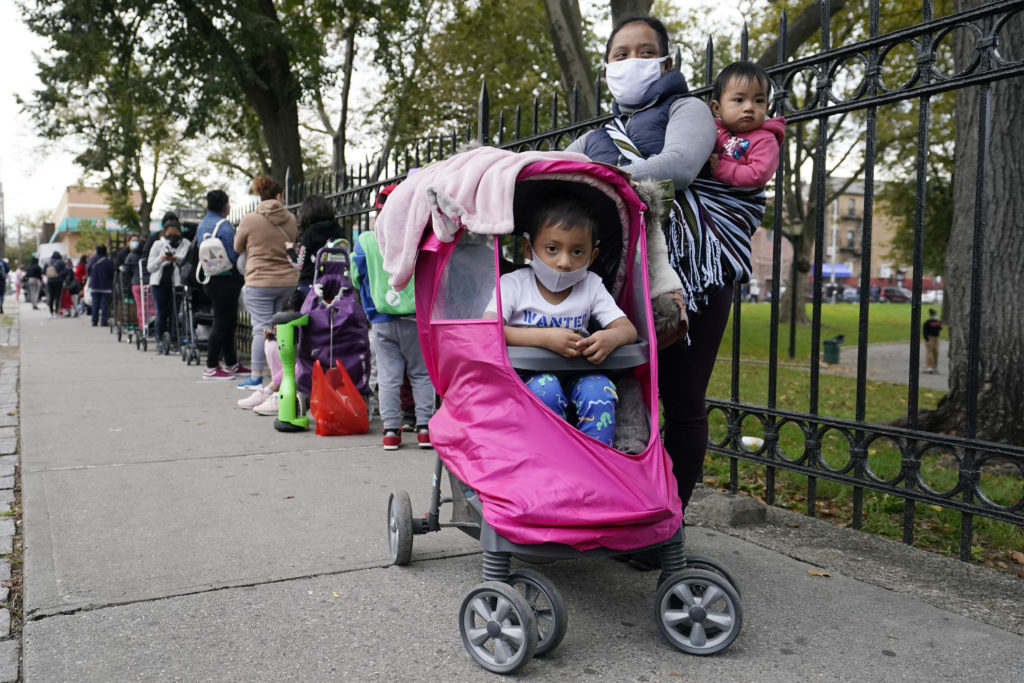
{"x": 336, "y": 405}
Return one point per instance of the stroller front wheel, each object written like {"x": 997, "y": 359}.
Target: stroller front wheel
{"x": 548, "y": 606}
{"x": 400, "y": 528}
{"x": 715, "y": 567}
{"x": 698, "y": 612}
{"x": 498, "y": 627}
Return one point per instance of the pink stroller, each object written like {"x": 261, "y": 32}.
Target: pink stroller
{"x": 522, "y": 480}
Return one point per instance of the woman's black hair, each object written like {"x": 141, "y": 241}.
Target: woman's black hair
{"x": 216, "y": 200}
{"x": 101, "y": 249}
{"x": 315, "y": 209}
{"x": 659, "y": 30}
{"x": 744, "y": 71}
{"x": 170, "y": 218}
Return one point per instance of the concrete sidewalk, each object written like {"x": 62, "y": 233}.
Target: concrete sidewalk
{"x": 171, "y": 535}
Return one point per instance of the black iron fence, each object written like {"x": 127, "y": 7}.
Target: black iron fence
{"x": 838, "y": 81}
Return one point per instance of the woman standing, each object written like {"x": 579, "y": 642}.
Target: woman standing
{"x": 164, "y": 275}
{"x": 674, "y": 134}
{"x": 265, "y": 236}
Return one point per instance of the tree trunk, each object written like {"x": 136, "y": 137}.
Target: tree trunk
{"x": 1000, "y": 372}
{"x": 565, "y": 26}
{"x": 340, "y": 134}
{"x": 625, "y": 8}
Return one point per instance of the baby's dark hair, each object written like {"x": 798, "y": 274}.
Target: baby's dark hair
{"x": 564, "y": 213}
{"x": 294, "y": 301}
{"x": 744, "y": 71}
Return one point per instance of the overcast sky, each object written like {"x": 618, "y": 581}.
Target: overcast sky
{"x": 33, "y": 177}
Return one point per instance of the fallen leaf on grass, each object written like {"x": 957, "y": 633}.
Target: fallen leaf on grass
{"x": 815, "y": 572}
{"x": 1017, "y": 556}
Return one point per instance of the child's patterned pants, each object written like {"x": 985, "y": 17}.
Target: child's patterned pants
{"x": 593, "y": 395}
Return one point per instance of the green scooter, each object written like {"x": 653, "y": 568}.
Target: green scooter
{"x": 289, "y": 413}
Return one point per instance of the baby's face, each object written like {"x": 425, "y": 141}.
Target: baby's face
{"x": 744, "y": 105}
{"x": 564, "y": 250}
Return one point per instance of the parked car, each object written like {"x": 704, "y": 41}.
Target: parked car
{"x": 894, "y": 295}
{"x": 932, "y": 296}
{"x": 851, "y": 295}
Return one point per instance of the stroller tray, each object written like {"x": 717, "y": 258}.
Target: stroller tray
{"x": 535, "y": 358}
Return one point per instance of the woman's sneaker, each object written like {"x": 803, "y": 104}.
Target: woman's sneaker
{"x": 392, "y": 439}
{"x": 238, "y": 369}
{"x": 423, "y": 436}
{"x": 250, "y": 383}
{"x": 252, "y": 400}
{"x": 268, "y": 407}
{"x": 217, "y": 373}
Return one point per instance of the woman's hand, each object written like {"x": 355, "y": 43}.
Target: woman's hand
{"x": 713, "y": 161}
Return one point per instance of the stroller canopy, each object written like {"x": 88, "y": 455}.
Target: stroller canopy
{"x": 538, "y": 478}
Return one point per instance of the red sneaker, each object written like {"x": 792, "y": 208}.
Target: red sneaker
{"x": 217, "y": 374}
{"x": 238, "y": 369}
{"x": 392, "y": 439}
{"x": 423, "y": 436}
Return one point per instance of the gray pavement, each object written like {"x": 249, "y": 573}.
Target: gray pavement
{"x": 171, "y": 535}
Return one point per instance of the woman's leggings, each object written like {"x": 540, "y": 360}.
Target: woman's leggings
{"x": 683, "y": 375}
{"x": 223, "y": 293}
{"x": 262, "y": 303}
{"x": 163, "y": 298}
{"x": 54, "y": 288}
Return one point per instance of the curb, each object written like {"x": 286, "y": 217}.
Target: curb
{"x": 10, "y": 521}
{"x": 947, "y": 583}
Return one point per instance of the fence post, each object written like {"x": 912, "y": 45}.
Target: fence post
{"x": 483, "y": 124}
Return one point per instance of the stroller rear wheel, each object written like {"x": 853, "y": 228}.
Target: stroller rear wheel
{"x": 399, "y": 528}
{"x": 548, "y": 606}
{"x": 698, "y": 612}
{"x": 498, "y": 627}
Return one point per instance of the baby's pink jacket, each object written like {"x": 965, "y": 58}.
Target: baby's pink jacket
{"x": 755, "y": 165}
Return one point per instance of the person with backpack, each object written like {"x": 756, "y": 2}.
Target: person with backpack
{"x": 317, "y": 227}
{"x": 100, "y": 273}
{"x": 394, "y": 338}
{"x": 54, "y": 282}
{"x": 215, "y": 245}
{"x": 34, "y": 280}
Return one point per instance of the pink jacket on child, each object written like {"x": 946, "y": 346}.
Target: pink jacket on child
{"x": 749, "y": 160}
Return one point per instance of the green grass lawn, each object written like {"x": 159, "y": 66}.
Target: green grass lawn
{"x": 886, "y": 323}
{"x": 935, "y": 528}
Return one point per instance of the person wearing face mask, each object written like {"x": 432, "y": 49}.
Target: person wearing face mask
{"x": 660, "y": 132}
{"x": 550, "y": 304}
{"x": 132, "y": 275}
{"x": 164, "y": 275}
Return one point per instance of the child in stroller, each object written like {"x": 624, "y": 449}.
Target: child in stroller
{"x": 541, "y": 489}
{"x": 550, "y": 305}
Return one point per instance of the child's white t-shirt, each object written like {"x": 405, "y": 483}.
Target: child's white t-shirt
{"x": 522, "y": 304}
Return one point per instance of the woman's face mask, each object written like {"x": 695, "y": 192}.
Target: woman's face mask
{"x": 174, "y": 240}
{"x": 629, "y": 79}
{"x": 134, "y": 244}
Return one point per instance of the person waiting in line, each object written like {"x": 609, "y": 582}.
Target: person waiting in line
{"x": 317, "y": 227}
{"x": 34, "y": 281}
{"x": 100, "y": 272}
{"x": 54, "y": 273}
{"x": 164, "y": 275}
{"x": 265, "y": 235}
{"x": 223, "y": 290}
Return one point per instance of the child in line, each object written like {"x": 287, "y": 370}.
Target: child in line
{"x": 394, "y": 338}
{"x": 747, "y": 149}
{"x": 549, "y": 305}
{"x": 264, "y": 400}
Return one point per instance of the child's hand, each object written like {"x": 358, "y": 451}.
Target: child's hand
{"x": 713, "y": 161}
{"x": 563, "y": 341}
{"x": 597, "y": 346}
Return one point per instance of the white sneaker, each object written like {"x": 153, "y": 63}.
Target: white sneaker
{"x": 268, "y": 407}
{"x": 252, "y": 400}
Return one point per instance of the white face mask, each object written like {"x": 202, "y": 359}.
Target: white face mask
{"x": 629, "y": 79}
{"x": 557, "y": 280}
